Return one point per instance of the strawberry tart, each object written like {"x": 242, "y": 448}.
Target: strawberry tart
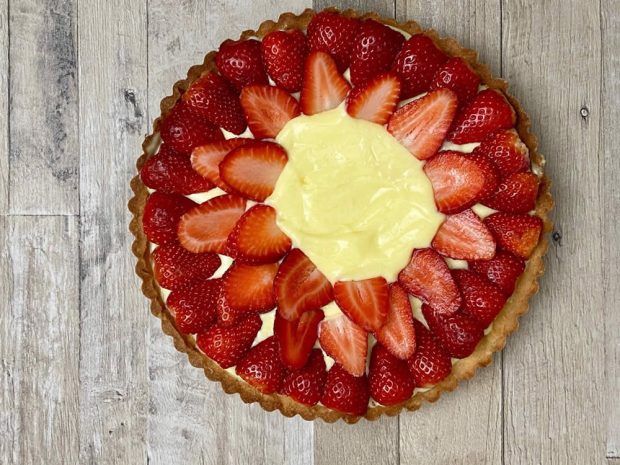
{"x": 340, "y": 216}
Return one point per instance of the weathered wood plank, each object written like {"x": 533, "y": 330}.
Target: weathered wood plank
{"x": 43, "y": 107}
{"x": 112, "y": 88}
{"x": 383, "y": 7}
{"x": 4, "y": 106}
{"x": 39, "y": 340}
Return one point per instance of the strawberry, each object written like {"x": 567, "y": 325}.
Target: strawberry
{"x": 427, "y": 277}
{"x": 344, "y": 392}
{"x": 206, "y": 159}
{"x": 300, "y": 286}
{"x": 481, "y": 299}
{"x": 507, "y": 151}
{"x": 374, "y": 48}
{"x": 345, "y": 342}
{"x": 227, "y": 346}
{"x": 175, "y": 267}
{"x": 284, "y": 53}
{"x": 388, "y": 377}
{"x": 416, "y": 64}
{"x": 241, "y": 62}
{"x": 267, "y": 109}
{"x": 459, "y": 181}
{"x": 430, "y": 363}
{"x": 397, "y": 334}
{"x": 181, "y": 130}
{"x": 458, "y": 333}
{"x": 162, "y": 213}
{"x": 193, "y": 306}
{"x": 323, "y": 86}
{"x": 464, "y": 237}
{"x": 257, "y": 239}
{"x": 205, "y": 228}
{"x": 515, "y": 194}
{"x": 297, "y": 337}
{"x": 365, "y": 302}
{"x": 518, "y": 234}
{"x": 376, "y": 100}
{"x": 211, "y": 97}
{"x": 172, "y": 173}
{"x": 457, "y": 76}
{"x": 262, "y": 368}
{"x": 305, "y": 384}
{"x": 253, "y": 169}
{"x": 488, "y": 111}
{"x": 250, "y": 288}
{"x": 333, "y": 33}
{"x": 421, "y": 125}
{"x": 503, "y": 270}
{"x": 226, "y": 316}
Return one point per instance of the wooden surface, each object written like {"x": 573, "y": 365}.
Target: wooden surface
{"x": 87, "y": 375}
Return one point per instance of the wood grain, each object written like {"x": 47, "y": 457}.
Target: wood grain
{"x": 39, "y": 340}
{"x": 383, "y": 7}
{"x": 4, "y": 106}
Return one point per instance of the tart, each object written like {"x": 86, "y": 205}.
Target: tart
{"x": 340, "y": 216}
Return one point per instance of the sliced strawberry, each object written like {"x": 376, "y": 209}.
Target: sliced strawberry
{"x": 297, "y": 337}
{"x": 250, "y": 288}
{"x": 262, "y": 368}
{"x": 430, "y": 363}
{"x": 284, "y": 53}
{"x": 253, "y": 169}
{"x": 488, "y": 111}
{"x": 172, "y": 173}
{"x": 457, "y": 76}
{"x": 206, "y": 159}
{"x": 376, "y": 100}
{"x": 464, "y": 237}
{"x": 345, "y": 393}
{"x": 175, "y": 267}
{"x": 241, "y": 62}
{"x": 505, "y": 149}
{"x": 305, "y": 384}
{"x": 518, "y": 234}
{"x": 515, "y": 194}
{"x": 366, "y": 302}
{"x": 481, "y": 299}
{"x": 421, "y": 125}
{"x": 459, "y": 181}
{"x": 162, "y": 213}
{"x": 323, "y": 86}
{"x": 227, "y": 346}
{"x": 205, "y": 228}
{"x": 193, "y": 306}
{"x": 333, "y": 33}
{"x": 427, "y": 277}
{"x": 226, "y": 316}
{"x": 374, "y": 48}
{"x": 458, "y": 333}
{"x": 300, "y": 286}
{"x": 212, "y": 98}
{"x": 267, "y": 109}
{"x": 416, "y": 64}
{"x": 388, "y": 377}
{"x": 345, "y": 342}
{"x": 182, "y": 130}
{"x": 397, "y": 334}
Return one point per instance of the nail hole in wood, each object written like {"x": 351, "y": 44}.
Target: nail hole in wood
{"x": 557, "y": 237}
{"x": 585, "y": 112}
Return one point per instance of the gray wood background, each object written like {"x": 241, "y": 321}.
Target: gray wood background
{"x": 87, "y": 376}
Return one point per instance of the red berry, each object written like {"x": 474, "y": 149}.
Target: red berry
{"x": 345, "y": 342}
{"x": 397, "y": 334}
{"x": 240, "y": 61}
{"x": 324, "y": 88}
{"x": 175, "y": 267}
{"x": 250, "y": 288}
{"x": 506, "y": 151}
{"x": 297, "y": 337}
{"x": 261, "y": 367}
{"x": 333, "y": 33}
{"x": 284, "y": 53}
{"x": 305, "y": 384}
{"x": 366, "y": 302}
{"x": 458, "y": 333}
{"x": 430, "y": 363}
{"x": 481, "y": 299}
{"x": 193, "y": 306}
{"x": 267, "y": 109}
{"x": 515, "y": 194}
{"x": 503, "y": 270}
{"x": 388, "y": 377}
{"x": 346, "y": 393}
{"x": 182, "y": 130}
{"x": 518, "y": 234}
{"x": 162, "y": 213}
{"x": 375, "y": 101}
{"x": 464, "y": 237}
{"x": 457, "y": 76}
{"x": 206, "y": 159}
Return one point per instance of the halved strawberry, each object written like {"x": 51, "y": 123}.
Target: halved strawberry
{"x": 323, "y": 86}
{"x": 464, "y": 237}
{"x": 457, "y": 76}
{"x": 481, "y": 299}
{"x": 226, "y": 316}
{"x": 515, "y": 233}
{"x": 162, "y": 213}
{"x": 205, "y": 228}
{"x": 262, "y": 368}
{"x": 206, "y": 159}
{"x": 297, "y": 337}
{"x": 300, "y": 286}
{"x": 397, "y": 334}
{"x": 253, "y": 169}
{"x": 459, "y": 181}
{"x": 193, "y": 306}
{"x": 182, "y": 130}
{"x": 345, "y": 342}
{"x": 241, "y": 62}
{"x": 515, "y": 194}
{"x": 388, "y": 377}
{"x": 227, "y": 346}
{"x": 211, "y": 97}
{"x": 506, "y": 150}
{"x": 416, "y": 64}
{"x": 333, "y": 33}
{"x": 366, "y": 302}
{"x": 427, "y": 277}
{"x": 376, "y": 100}
{"x": 488, "y": 111}
{"x": 305, "y": 384}
{"x": 175, "y": 267}
{"x": 421, "y": 126}
{"x": 267, "y": 109}
{"x": 170, "y": 172}
{"x": 504, "y": 269}
{"x": 284, "y": 53}
{"x": 344, "y": 392}
{"x": 430, "y": 363}
{"x": 250, "y": 288}
{"x": 458, "y": 333}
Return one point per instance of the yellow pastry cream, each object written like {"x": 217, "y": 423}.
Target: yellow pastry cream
{"x": 351, "y": 197}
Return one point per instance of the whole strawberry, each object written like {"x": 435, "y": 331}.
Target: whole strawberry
{"x": 175, "y": 267}
{"x": 503, "y": 270}
{"x": 518, "y": 234}
{"x": 162, "y": 213}
{"x": 515, "y": 194}
{"x": 240, "y": 61}
{"x": 506, "y": 150}
{"x": 457, "y": 76}
{"x": 430, "y": 363}
{"x": 305, "y": 384}
{"x": 284, "y": 53}
{"x": 389, "y": 378}
{"x": 481, "y": 298}
{"x": 194, "y": 306}
{"x": 346, "y": 393}
{"x": 262, "y": 367}
{"x": 458, "y": 333}
{"x": 182, "y": 130}
{"x": 333, "y": 33}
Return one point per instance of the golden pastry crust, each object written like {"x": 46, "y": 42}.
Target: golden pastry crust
{"x": 505, "y": 323}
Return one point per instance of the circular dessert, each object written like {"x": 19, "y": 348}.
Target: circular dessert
{"x": 340, "y": 216}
